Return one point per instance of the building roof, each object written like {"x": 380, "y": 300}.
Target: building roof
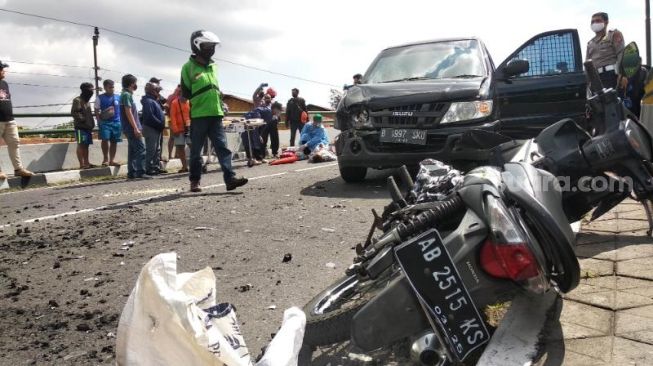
{"x": 315, "y": 107}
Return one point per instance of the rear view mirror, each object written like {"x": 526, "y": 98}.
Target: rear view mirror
{"x": 516, "y": 67}
{"x": 630, "y": 61}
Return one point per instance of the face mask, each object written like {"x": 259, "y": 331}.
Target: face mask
{"x": 597, "y": 27}
{"x": 87, "y": 94}
{"x": 207, "y": 53}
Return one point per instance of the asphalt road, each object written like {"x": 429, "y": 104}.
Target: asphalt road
{"x": 64, "y": 279}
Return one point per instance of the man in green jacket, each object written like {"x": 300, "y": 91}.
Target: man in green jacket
{"x": 199, "y": 84}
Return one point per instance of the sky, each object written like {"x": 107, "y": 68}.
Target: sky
{"x": 325, "y": 42}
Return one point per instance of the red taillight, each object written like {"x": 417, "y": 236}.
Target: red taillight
{"x": 513, "y": 261}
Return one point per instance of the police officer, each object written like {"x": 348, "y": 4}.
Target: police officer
{"x": 605, "y": 49}
{"x": 199, "y": 84}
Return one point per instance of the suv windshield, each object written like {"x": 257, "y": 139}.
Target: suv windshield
{"x": 441, "y": 60}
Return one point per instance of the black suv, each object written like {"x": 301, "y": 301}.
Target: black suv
{"x": 416, "y": 100}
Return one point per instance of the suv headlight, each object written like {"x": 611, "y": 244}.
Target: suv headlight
{"x": 465, "y": 111}
{"x": 361, "y": 119}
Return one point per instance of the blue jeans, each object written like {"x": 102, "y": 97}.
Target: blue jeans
{"x": 135, "y": 156}
{"x": 152, "y": 149}
{"x": 200, "y": 129}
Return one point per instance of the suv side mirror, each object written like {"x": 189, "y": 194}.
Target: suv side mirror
{"x": 515, "y": 67}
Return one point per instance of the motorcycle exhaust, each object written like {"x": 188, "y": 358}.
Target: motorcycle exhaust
{"x": 427, "y": 351}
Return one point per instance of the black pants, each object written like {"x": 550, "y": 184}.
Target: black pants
{"x": 609, "y": 79}
{"x": 271, "y": 130}
{"x": 294, "y": 127}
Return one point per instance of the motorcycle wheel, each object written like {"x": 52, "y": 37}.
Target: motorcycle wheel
{"x": 329, "y": 314}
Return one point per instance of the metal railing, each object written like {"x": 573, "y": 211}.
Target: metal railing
{"x": 69, "y": 131}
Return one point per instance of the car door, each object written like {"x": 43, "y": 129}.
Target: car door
{"x": 553, "y": 88}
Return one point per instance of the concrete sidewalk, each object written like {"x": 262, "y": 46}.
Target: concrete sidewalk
{"x": 608, "y": 318}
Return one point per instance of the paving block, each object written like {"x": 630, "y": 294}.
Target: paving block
{"x": 605, "y": 250}
{"x": 635, "y": 324}
{"x": 607, "y": 226}
{"x": 590, "y": 267}
{"x": 580, "y": 352}
{"x": 584, "y": 238}
{"x": 627, "y": 352}
{"x": 633, "y": 215}
{"x": 626, "y": 226}
{"x": 640, "y": 268}
{"x": 584, "y": 321}
{"x": 4, "y": 184}
{"x": 613, "y": 292}
{"x": 119, "y": 170}
{"x": 634, "y": 247}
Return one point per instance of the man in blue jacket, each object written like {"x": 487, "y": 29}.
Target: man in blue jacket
{"x": 313, "y": 135}
{"x": 153, "y": 125}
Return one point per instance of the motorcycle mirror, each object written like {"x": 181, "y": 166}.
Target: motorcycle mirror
{"x": 630, "y": 62}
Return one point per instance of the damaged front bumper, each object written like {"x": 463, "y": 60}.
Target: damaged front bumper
{"x": 363, "y": 148}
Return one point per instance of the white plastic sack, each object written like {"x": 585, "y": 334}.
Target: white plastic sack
{"x": 173, "y": 319}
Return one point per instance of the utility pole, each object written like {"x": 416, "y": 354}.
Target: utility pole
{"x": 648, "y": 32}
{"x": 96, "y": 36}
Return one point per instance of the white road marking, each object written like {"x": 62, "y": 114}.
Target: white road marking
{"x": 315, "y": 167}
{"x": 88, "y": 210}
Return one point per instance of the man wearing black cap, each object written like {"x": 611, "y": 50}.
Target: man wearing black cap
{"x": 8, "y": 128}
{"x": 294, "y": 109}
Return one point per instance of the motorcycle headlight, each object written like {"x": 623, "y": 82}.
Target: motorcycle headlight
{"x": 361, "y": 119}
{"x": 465, "y": 111}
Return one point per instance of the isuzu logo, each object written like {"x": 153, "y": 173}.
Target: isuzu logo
{"x": 402, "y": 114}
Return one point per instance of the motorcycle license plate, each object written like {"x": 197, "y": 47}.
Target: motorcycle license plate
{"x": 432, "y": 274}
{"x": 403, "y": 136}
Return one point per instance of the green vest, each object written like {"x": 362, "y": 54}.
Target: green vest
{"x": 202, "y": 81}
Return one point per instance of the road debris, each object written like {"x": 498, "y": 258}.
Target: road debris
{"x": 328, "y": 230}
{"x": 331, "y": 265}
{"x": 245, "y": 288}
{"x": 286, "y": 258}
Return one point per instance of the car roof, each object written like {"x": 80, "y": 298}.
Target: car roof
{"x": 435, "y": 41}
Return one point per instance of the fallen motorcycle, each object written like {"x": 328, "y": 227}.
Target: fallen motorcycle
{"x": 455, "y": 244}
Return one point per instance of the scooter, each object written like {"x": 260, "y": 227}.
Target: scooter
{"x": 456, "y": 244}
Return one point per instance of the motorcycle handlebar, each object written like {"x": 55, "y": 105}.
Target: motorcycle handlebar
{"x": 595, "y": 83}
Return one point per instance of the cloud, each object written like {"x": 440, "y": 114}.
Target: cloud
{"x": 324, "y": 41}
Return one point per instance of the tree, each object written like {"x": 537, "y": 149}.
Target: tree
{"x": 334, "y": 98}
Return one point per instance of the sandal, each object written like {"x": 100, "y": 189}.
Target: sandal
{"x": 114, "y": 164}
{"x": 105, "y": 164}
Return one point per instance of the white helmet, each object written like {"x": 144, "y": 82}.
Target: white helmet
{"x": 201, "y": 36}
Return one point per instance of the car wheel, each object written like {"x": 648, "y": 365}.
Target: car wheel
{"x": 353, "y": 174}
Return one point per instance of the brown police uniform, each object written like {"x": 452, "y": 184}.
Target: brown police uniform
{"x": 605, "y": 52}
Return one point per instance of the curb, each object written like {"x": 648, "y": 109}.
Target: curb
{"x": 70, "y": 176}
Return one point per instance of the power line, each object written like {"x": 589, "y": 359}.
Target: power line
{"x": 166, "y": 46}
{"x": 45, "y": 86}
{"x": 49, "y": 64}
{"x": 55, "y": 75}
{"x": 41, "y": 105}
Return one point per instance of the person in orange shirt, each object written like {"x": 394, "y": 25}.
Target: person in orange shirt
{"x": 180, "y": 127}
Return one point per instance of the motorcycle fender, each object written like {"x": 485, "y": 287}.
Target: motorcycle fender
{"x": 393, "y": 314}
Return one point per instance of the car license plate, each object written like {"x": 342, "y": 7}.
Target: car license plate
{"x": 403, "y": 136}
{"x": 432, "y": 274}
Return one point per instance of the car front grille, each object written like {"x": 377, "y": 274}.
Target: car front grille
{"x": 426, "y": 115}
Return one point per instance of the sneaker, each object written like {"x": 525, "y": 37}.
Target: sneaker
{"x": 235, "y": 182}
{"x": 23, "y": 173}
{"x": 195, "y": 186}
{"x": 3, "y": 176}
{"x": 144, "y": 176}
